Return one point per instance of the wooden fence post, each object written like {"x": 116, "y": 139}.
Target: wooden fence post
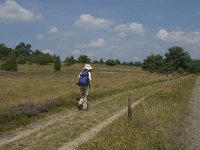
{"x": 129, "y": 107}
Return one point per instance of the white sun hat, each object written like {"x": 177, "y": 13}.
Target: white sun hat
{"x": 88, "y": 67}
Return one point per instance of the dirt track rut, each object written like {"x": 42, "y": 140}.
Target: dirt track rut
{"x": 193, "y": 130}
{"x": 72, "y": 145}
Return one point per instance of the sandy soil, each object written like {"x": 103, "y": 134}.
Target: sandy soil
{"x": 193, "y": 129}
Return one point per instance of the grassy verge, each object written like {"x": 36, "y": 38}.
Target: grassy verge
{"x": 157, "y": 122}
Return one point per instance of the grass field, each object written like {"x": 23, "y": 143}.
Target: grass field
{"x": 157, "y": 122}
{"x": 39, "y": 84}
{"x": 35, "y": 88}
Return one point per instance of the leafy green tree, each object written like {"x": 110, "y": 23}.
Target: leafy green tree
{"x": 10, "y": 64}
{"x": 4, "y": 51}
{"x": 40, "y": 58}
{"x": 57, "y": 64}
{"x": 21, "y": 59}
{"x": 194, "y": 66}
{"x": 70, "y": 61}
{"x": 84, "y": 59}
{"x": 22, "y": 49}
{"x": 117, "y": 62}
{"x": 37, "y": 52}
{"x": 101, "y": 61}
{"x": 110, "y": 62}
{"x": 177, "y": 59}
{"x": 138, "y": 64}
{"x": 154, "y": 63}
{"x": 129, "y": 63}
{"x": 22, "y": 52}
{"x": 124, "y": 63}
{"x": 95, "y": 62}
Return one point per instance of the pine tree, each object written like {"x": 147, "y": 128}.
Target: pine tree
{"x": 57, "y": 64}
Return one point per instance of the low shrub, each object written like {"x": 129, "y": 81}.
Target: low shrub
{"x": 10, "y": 64}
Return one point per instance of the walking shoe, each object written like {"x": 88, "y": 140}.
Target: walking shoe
{"x": 80, "y": 106}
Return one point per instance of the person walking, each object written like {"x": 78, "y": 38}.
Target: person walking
{"x": 84, "y": 79}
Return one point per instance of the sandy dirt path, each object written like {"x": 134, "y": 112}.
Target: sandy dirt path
{"x": 193, "y": 130}
{"x": 37, "y": 126}
{"x": 84, "y": 137}
{"x": 42, "y": 124}
{"x": 57, "y": 118}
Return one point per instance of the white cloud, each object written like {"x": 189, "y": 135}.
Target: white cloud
{"x": 40, "y": 36}
{"x": 90, "y": 22}
{"x": 11, "y": 11}
{"x": 48, "y": 51}
{"x": 99, "y": 43}
{"x": 81, "y": 46}
{"x": 179, "y": 36}
{"x": 49, "y": 35}
{"x": 76, "y": 52}
{"x": 53, "y": 30}
{"x": 124, "y": 29}
{"x": 122, "y": 34}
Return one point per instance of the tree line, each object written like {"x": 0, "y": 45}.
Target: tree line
{"x": 111, "y": 62}
{"x": 176, "y": 59}
{"x": 23, "y": 54}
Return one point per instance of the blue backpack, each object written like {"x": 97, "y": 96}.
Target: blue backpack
{"x": 84, "y": 78}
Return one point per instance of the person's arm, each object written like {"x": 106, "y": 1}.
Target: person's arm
{"x": 90, "y": 78}
{"x": 77, "y": 83}
{"x": 79, "y": 76}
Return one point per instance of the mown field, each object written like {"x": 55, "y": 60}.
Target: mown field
{"x": 157, "y": 122}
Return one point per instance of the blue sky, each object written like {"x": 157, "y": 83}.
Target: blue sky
{"x": 128, "y": 30}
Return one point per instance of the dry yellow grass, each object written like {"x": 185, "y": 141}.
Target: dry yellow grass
{"x": 110, "y": 88}
{"x": 157, "y": 122}
{"x": 35, "y": 83}
{"x": 69, "y": 126}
